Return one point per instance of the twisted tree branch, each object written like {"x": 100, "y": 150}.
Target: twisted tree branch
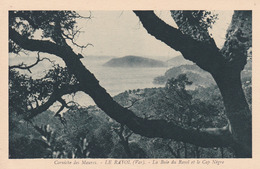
{"x": 205, "y": 55}
{"x": 55, "y": 96}
{"x": 90, "y": 85}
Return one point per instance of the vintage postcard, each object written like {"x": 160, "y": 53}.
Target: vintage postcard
{"x": 118, "y": 84}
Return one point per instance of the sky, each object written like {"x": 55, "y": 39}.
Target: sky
{"x": 120, "y": 33}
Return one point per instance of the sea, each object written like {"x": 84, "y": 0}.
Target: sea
{"x": 114, "y": 79}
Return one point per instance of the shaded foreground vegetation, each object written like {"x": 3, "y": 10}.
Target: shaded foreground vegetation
{"x": 89, "y": 133}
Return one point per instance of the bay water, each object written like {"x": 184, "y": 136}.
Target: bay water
{"x": 114, "y": 79}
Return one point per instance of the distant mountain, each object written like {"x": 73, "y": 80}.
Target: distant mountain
{"x": 134, "y": 61}
{"x": 178, "y": 61}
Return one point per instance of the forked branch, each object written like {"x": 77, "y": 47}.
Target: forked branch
{"x": 25, "y": 67}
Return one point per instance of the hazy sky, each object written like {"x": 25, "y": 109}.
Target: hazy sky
{"x": 119, "y": 33}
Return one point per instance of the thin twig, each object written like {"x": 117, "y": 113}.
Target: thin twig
{"x": 25, "y": 67}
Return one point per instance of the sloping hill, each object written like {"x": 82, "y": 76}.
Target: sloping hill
{"x": 134, "y": 61}
{"x": 193, "y": 72}
{"x": 178, "y": 61}
{"x": 198, "y": 76}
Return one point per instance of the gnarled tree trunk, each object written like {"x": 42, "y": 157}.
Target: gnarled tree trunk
{"x": 237, "y": 111}
{"x": 224, "y": 65}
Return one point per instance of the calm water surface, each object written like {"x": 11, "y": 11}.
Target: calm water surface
{"x": 114, "y": 79}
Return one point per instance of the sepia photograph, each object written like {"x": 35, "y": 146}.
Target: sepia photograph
{"x": 129, "y": 84}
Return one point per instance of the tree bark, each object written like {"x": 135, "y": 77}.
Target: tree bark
{"x": 237, "y": 111}
{"x": 185, "y": 150}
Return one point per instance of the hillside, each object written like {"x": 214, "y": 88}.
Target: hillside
{"x": 134, "y": 61}
{"x": 178, "y": 61}
{"x": 193, "y": 72}
{"x": 198, "y": 76}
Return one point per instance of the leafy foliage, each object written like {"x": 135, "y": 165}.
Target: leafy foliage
{"x": 195, "y": 23}
{"x": 26, "y": 93}
{"x": 187, "y": 108}
{"x": 238, "y": 46}
{"x": 54, "y": 25}
{"x": 90, "y": 134}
